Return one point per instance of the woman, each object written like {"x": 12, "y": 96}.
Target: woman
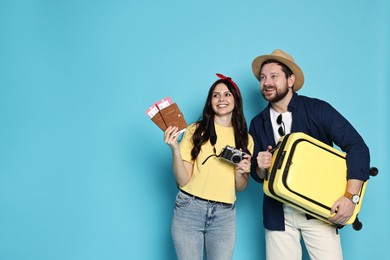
{"x": 204, "y": 214}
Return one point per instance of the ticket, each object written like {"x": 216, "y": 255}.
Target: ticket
{"x": 164, "y": 103}
{"x": 152, "y": 110}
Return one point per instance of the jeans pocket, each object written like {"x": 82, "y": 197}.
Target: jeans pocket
{"x": 229, "y": 206}
{"x": 182, "y": 200}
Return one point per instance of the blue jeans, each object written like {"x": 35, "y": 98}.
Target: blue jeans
{"x": 200, "y": 225}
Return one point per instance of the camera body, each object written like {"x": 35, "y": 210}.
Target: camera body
{"x": 232, "y": 154}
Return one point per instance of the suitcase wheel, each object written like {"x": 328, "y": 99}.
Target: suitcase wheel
{"x": 357, "y": 225}
{"x": 374, "y": 171}
{"x": 339, "y": 226}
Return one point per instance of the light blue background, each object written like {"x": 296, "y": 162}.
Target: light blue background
{"x": 84, "y": 173}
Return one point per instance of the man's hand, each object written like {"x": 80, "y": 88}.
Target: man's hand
{"x": 264, "y": 159}
{"x": 343, "y": 208}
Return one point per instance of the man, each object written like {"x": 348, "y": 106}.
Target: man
{"x": 280, "y": 79}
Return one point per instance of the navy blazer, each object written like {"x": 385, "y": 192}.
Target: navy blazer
{"x": 320, "y": 120}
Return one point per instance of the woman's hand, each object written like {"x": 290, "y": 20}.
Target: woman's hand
{"x": 242, "y": 170}
{"x": 244, "y": 166}
{"x": 171, "y": 135}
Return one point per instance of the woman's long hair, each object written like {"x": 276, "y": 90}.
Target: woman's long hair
{"x": 205, "y": 124}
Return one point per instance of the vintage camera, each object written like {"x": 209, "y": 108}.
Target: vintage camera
{"x": 232, "y": 154}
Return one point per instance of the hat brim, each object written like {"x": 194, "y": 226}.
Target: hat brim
{"x": 299, "y": 77}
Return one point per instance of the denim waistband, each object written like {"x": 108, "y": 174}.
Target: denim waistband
{"x": 202, "y": 199}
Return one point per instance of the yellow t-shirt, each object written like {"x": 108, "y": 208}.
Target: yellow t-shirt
{"x": 214, "y": 180}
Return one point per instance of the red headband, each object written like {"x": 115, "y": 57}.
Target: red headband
{"x": 228, "y": 79}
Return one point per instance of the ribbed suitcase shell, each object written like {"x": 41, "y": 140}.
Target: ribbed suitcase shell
{"x": 308, "y": 175}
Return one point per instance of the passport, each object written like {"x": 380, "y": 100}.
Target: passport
{"x": 165, "y": 113}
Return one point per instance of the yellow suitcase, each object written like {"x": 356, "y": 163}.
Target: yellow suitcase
{"x": 310, "y": 175}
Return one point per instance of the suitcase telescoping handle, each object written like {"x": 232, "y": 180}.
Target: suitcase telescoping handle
{"x": 276, "y": 147}
{"x": 272, "y": 152}
{"x": 266, "y": 174}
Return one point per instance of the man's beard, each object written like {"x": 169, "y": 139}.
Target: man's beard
{"x": 278, "y": 96}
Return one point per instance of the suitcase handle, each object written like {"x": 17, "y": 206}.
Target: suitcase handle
{"x": 276, "y": 147}
{"x": 266, "y": 174}
{"x": 280, "y": 162}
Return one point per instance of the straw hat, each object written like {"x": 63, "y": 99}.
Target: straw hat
{"x": 284, "y": 58}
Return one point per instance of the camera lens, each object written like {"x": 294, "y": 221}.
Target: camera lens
{"x": 236, "y": 158}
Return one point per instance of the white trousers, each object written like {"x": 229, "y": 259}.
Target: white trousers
{"x": 321, "y": 239}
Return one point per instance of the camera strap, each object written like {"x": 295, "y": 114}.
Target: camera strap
{"x": 212, "y": 134}
{"x": 215, "y": 154}
{"x": 213, "y": 141}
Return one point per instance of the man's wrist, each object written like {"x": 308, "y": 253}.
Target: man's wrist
{"x": 353, "y": 197}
